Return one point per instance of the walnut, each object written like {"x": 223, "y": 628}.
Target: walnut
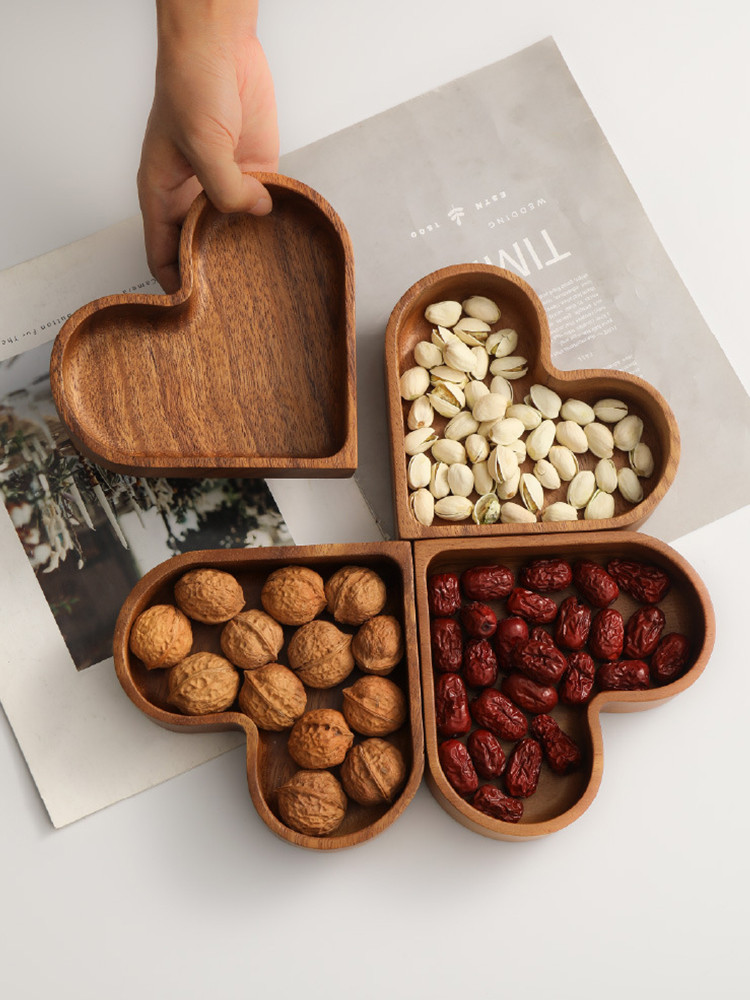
{"x": 209, "y": 595}
{"x": 321, "y": 654}
{"x": 373, "y": 772}
{"x": 273, "y": 697}
{"x": 312, "y": 802}
{"x": 251, "y": 639}
{"x": 354, "y": 594}
{"x": 161, "y": 636}
{"x": 293, "y": 595}
{"x": 378, "y": 645}
{"x": 202, "y": 683}
{"x": 374, "y": 706}
{"x": 320, "y": 739}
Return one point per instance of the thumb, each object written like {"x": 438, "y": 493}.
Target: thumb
{"x": 228, "y": 188}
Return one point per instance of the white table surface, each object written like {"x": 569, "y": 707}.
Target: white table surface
{"x": 181, "y": 890}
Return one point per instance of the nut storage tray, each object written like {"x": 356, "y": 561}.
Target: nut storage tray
{"x": 559, "y": 800}
{"x": 268, "y": 762}
{"x": 522, "y": 310}
{"x": 247, "y": 370}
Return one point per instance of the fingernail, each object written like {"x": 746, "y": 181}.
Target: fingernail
{"x": 263, "y": 205}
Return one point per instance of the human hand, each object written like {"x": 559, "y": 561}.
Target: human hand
{"x": 213, "y": 118}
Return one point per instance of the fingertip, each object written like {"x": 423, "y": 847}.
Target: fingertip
{"x": 263, "y": 205}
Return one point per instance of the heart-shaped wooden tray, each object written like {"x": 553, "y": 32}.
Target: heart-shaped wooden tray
{"x": 269, "y": 764}
{"x": 560, "y": 799}
{"x": 521, "y": 310}
{"x": 247, "y": 370}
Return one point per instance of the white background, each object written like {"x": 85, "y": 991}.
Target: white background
{"x": 181, "y": 890}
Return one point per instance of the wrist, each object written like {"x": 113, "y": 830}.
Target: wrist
{"x": 182, "y": 21}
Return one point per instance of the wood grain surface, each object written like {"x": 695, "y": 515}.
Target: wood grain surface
{"x": 521, "y": 310}
{"x": 249, "y": 369}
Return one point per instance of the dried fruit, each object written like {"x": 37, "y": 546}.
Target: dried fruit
{"x": 373, "y": 772}
{"x": 202, "y": 684}
{"x": 209, "y": 595}
{"x": 595, "y": 583}
{"x": 452, "y": 716}
{"x": 320, "y": 738}
{"x": 540, "y": 659}
{"x": 479, "y": 663}
{"x": 573, "y": 624}
{"x": 522, "y": 771}
{"x": 378, "y": 645}
{"x": 510, "y": 631}
{"x": 458, "y": 767}
{"x": 374, "y": 706}
{"x": 293, "y": 595}
{"x": 443, "y": 594}
{"x": 354, "y": 594}
{"x": 578, "y": 680}
{"x": 643, "y": 631}
{"x": 670, "y": 657}
{"x": 492, "y": 802}
{"x": 562, "y": 752}
{"x": 161, "y": 636}
{"x": 321, "y": 654}
{"x": 623, "y": 675}
{"x": 546, "y": 575}
{"x": 479, "y": 620}
{"x": 529, "y": 695}
{"x": 533, "y": 607}
{"x": 251, "y": 639}
{"x": 644, "y": 582}
{"x": 494, "y": 711}
{"x": 312, "y": 803}
{"x": 486, "y": 583}
{"x": 607, "y": 636}
{"x": 486, "y": 753}
{"x": 273, "y": 696}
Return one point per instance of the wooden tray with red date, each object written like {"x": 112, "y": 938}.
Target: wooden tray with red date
{"x": 560, "y": 798}
{"x": 269, "y": 764}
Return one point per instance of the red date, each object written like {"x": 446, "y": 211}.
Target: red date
{"x": 529, "y": 695}
{"x": 670, "y": 657}
{"x": 510, "y": 631}
{"x": 458, "y": 767}
{"x": 546, "y": 575}
{"x": 494, "y": 711}
{"x": 540, "y": 659}
{"x": 524, "y": 765}
{"x": 492, "y": 802}
{"x": 643, "y": 631}
{"x": 443, "y": 594}
{"x": 623, "y": 675}
{"x": 478, "y": 619}
{"x": 578, "y": 680}
{"x": 607, "y": 634}
{"x": 479, "y": 663}
{"x": 642, "y": 581}
{"x": 533, "y": 607}
{"x": 595, "y": 583}
{"x": 486, "y": 753}
{"x": 573, "y": 624}
{"x": 487, "y": 583}
{"x": 447, "y": 644}
{"x": 561, "y": 751}
{"x": 452, "y": 716}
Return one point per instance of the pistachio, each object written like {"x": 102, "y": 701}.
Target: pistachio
{"x": 445, "y": 450}
{"x": 454, "y": 508}
{"x": 547, "y": 474}
{"x": 629, "y": 485}
{"x": 508, "y": 488}
{"x": 519, "y": 447}
{"x": 477, "y": 447}
{"x": 627, "y": 432}
{"x": 422, "y": 505}
{"x": 427, "y": 354}
{"x": 577, "y": 411}
{"x": 420, "y": 414}
{"x": 470, "y": 327}
{"x": 540, "y": 440}
{"x": 461, "y": 426}
{"x": 480, "y": 307}
{"x": 447, "y": 399}
{"x": 606, "y": 475}
{"x": 459, "y": 356}
{"x": 511, "y": 366}
{"x": 560, "y": 511}
{"x": 514, "y": 513}
{"x": 600, "y": 507}
{"x": 529, "y": 416}
{"x": 445, "y": 313}
{"x": 546, "y": 400}
{"x": 501, "y": 343}
{"x": 460, "y": 479}
{"x": 481, "y": 362}
{"x": 502, "y": 463}
{"x": 483, "y": 481}
{"x": 505, "y": 430}
{"x": 418, "y": 471}
{"x": 531, "y": 492}
{"x": 421, "y": 439}
{"x": 609, "y": 411}
{"x": 414, "y": 382}
{"x": 571, "y": 435}
{"x": 474, "y": 392}
{"x": 564, "y": 461}
{"x": 486, "y": 509}
{"x": 502, "y": 387}
{"x": 441, "y": 337}
{"x": 447, "y": 373}
{"x": 642, "y": 460}
{"x": 600, "y": 439}
{"x": 490, "y": 407}
{"x": 439, "y": 481}
{"x": 581, "y": 488}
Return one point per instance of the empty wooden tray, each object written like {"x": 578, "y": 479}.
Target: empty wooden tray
{"x": 560, "y": 799}
{"x": 269, "y": 764}
{"x": 247, "y": 370}
{"x": 520, "y": 310}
